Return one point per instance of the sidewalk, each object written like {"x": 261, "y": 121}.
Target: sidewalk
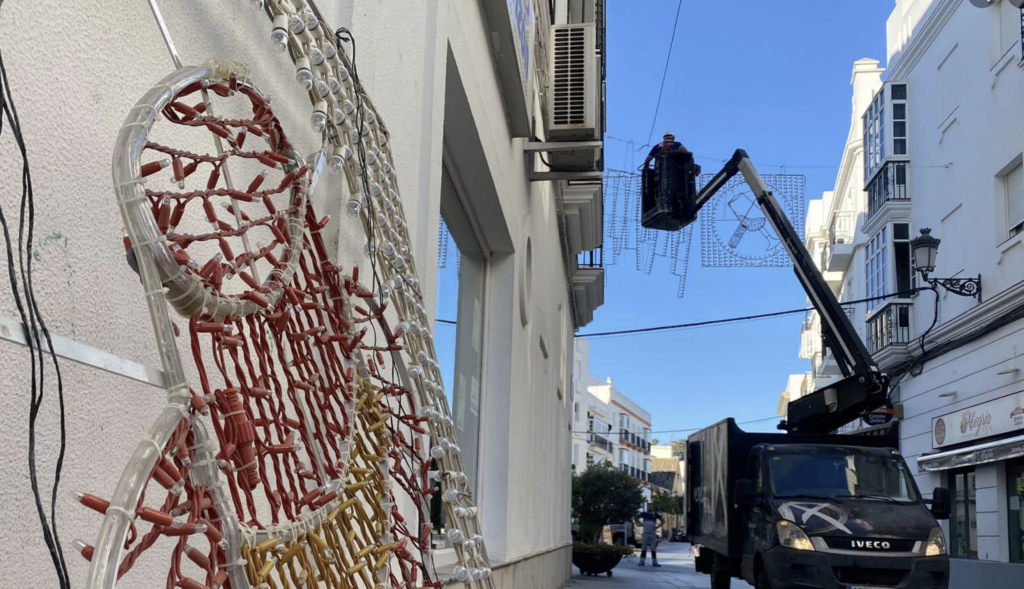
{"x": 676, "y": 571}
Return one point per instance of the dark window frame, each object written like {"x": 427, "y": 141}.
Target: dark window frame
{"x": 954, "y": 529}
{"x": 1015, "y": 527}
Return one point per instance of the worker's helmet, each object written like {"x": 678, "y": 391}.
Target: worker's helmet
{"x": 669, "y": 136}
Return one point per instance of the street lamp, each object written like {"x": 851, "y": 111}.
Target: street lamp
{"x": 925, "y": 247}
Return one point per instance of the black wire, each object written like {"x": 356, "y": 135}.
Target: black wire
{"x": 935, "y": 318}
{"x": 342, "y": 34}
{"x": 32, "y": 319}
{"x": 668, "y": 58}
{"x": 689, "y": 429}
{"x": 738, "y": 319}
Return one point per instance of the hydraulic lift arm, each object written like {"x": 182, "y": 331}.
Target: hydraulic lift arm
{"x": 863, "y": 387}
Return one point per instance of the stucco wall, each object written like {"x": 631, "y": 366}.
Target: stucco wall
{"x": 76, "y": 70}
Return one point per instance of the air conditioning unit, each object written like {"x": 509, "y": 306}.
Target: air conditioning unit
{"x": 574, "y": 94}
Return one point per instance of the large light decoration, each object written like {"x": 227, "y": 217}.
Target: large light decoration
{"x": 331, "y": 428}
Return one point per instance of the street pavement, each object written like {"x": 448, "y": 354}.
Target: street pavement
{"x": 676, "y": 571}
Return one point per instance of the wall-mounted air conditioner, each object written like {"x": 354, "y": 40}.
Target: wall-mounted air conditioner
{"x": 574, "y": 85}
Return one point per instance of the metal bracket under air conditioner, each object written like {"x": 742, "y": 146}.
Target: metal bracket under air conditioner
{"x": 556, "y": 146}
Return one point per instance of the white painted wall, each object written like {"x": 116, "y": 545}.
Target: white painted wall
{"x": 76, "y": 70}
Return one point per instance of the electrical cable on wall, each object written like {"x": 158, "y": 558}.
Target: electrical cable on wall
{"x": 32, "y": 319}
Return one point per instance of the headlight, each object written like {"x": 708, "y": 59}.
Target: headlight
{"x": 936, "y": 544}
{"x": 791, "y": 536}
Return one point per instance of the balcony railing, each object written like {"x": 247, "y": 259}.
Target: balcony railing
{"x": 889, "y": 326}
{"x": 889, "y": 184}
{"x": 843, "y": 227}
{"x": 591, "y": 259}
{"x": 600, "y": 441}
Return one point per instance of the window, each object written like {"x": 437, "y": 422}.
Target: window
{"x": 876, "y": 268}
{"x": 899, "y": 128}
{"x": 963, "y": 522}
{"x": 575, "y": 455}
{"x": 461, "y": 282}
{"x": 624, "y": 456}
{"x": 899, "y": 91}
{"x": 1015, "y": 495}
{"x": 754, "y": 472}
{"x": 874, "y": 144}
{"x": 1013, "y": 183}
{"x": 903, "y": 266}
{"x": 576, "y": 412}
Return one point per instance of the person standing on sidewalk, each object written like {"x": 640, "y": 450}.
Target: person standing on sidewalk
{"x": 651, "y": 521}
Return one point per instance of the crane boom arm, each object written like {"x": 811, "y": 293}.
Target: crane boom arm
{"x": 863, "y": 387}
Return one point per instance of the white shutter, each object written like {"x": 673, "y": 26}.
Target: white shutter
{"x": 1015, "y": 196}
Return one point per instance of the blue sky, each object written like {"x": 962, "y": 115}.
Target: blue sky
{"x": 772, "y": 78}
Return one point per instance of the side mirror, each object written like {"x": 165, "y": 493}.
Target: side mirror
{"x": 745, "y": 498}
{"x": 941, "y": 503}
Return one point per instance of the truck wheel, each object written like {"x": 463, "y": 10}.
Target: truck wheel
{"x": 762, "y": 581}
{"x": 720, "y": 579}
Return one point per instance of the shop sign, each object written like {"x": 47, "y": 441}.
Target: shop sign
{"x": 997, "y": 417}
{"x": 1007, "y": 451}
{"x": 520, "y": 13}
{"x": 880, "y": 416}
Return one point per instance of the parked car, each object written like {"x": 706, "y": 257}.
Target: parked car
{"x": 678, "y": 535}
{"x": 623, "y": 534}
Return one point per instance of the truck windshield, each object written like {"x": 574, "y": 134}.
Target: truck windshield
{"x": 838, "y": 473}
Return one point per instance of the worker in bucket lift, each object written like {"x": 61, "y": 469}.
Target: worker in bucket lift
{"x": 667, "y": 144}
{"x": 651, "y": 521}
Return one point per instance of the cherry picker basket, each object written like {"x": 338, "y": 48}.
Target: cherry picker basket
{"x": 668, "y": 192}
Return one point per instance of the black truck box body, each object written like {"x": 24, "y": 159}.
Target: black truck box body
{"x": 716, "y": 457}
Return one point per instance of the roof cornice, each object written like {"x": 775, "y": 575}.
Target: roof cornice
{"x": 922, "y": 39}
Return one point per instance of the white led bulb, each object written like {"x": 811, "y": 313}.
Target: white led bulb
{"x": 303, "y": 73}
{"x": 319, "y": 117}
{"x": 279, "y": 36}
{"x": 309, "y": 19}
{"x": 316, "y": 56}
{"x": 295, "y": 24}
{"x": 322, "y": 89}
{"x": 353, "y": 208}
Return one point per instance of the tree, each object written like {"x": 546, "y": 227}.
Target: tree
{"x": 655, "y": 441}
{"x": 665, "y": 503}
{"x": 603, "y": 494}
{"x": 679, "y": 449}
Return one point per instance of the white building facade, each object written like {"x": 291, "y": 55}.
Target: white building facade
{"x": 938, "y": 145}
{"x": 608, "y": 426}
{"x": 465, "y": 88}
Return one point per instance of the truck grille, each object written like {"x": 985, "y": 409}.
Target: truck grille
{"x": 870, "y": 544}
{"x": 858, "y": 576}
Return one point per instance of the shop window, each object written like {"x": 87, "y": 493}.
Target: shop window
{"x": 963, "y": 522}
{"x": 1015, "y": 514}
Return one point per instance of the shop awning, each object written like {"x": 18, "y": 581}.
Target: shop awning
{"x": 979, "y": 454}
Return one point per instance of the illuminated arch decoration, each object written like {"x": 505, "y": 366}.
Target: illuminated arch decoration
{"x": 326, "y": 418}
{"x": 734, "y": 231}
